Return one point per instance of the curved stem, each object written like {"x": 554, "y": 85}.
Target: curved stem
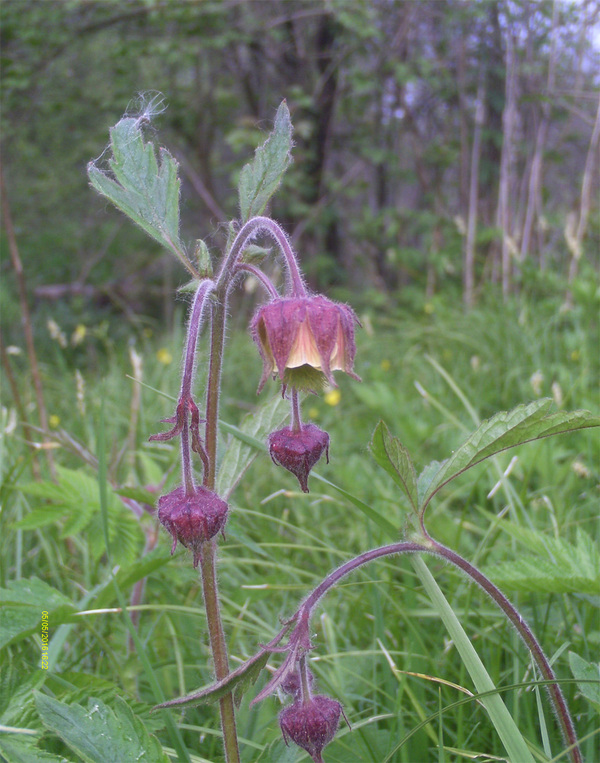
{"x": 185, "y": 395}
{"x": 437, "y": 549}
{"x": 194, "y": 326}
{"x": 245, "y": 235}
{"x": 525, "y": 632}
{"x": 264, "y": 280}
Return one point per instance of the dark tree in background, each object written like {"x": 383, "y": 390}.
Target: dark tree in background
{"x": 438, "y": 144}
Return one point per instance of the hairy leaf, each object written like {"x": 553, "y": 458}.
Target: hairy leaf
{"x": 147, "y": 191}
{"x": 504, "y": 430}
{"x": 260, "y": 178}
{"x": 237, "y": 682}
{"x": 392, "y": 456}
{"x": 98, "y": 733}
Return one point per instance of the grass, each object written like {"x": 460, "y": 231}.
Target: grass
{"x": 381, "y": 648}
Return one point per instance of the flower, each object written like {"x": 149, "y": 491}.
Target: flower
{"x": 298, "y": 451}
{"x": 192, "y": 518}
{"x": 305, "y": 339}
{"x": 333, "y": 397}
{"x": 164, "y": 356}
{"x": 311, "y": 724}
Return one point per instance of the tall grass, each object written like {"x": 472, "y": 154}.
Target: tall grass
{"x": 381, "y": 648}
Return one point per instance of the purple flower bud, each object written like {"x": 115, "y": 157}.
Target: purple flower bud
{"x": 305, "y": 339}
{"x": 299, "y": 451}
{"x": 311, "y": 724}
{"x": 293, "y": 684}
{"x": 192, "y": 519}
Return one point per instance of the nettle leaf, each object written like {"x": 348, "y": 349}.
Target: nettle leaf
{"x": 504, "y": 430}
{"x": 147, "y": 191}
{"x": 236, "y": 683}
{"x": 392, "y": 456}
{"x": 21, "y": 607}
{"x": 552, "y": 565}
{"x": 248, "y": 441}
{"x": 261, "y": 177}
{"x": 99, "y": 733}
{"x": 585, "y": 671}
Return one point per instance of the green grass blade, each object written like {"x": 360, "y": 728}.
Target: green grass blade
{"x": 173, "y": 730}
{"x": 507, "y": 730}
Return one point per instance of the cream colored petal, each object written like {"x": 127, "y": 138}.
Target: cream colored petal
{"x": 304, "y": 351}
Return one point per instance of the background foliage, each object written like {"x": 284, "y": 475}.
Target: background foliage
{"x": 397, "y": 192}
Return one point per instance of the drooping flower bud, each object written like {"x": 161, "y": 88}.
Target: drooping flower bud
{"x": 311, "y": 724}
{"x": 305, "y": 339}
{"x": 293, "y": 683}
{"x": 298, "y": 451}
{"x": 192, "y": 519}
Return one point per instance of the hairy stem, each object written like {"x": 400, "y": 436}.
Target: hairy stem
{"x": 437, "y": 549}
{"x": 208, "y": 560}
{"x": 246, "y": 233}
{"x": 554, "y": 690}
{"x": 264, "y": 280}
{"x": 296, "y": 416}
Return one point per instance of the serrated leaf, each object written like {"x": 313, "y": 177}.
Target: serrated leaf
{"x": 542, "y": 576}
{"x": 392, "y": 456}
{"x": 261, "y": 177}
{"x": 248, "y": 441}
{"x": 18, "y": 748}
{"x": 552, "y": 565}
{"x": 147, "y": 191}
{"x": 586, "y": 671}
{"x": 505, "y": 430}
{"x": 237, "y": 682}
{"x": 77, "y": 494}
{"x": 21, "y": 605}
{"x": 99, "y": 734}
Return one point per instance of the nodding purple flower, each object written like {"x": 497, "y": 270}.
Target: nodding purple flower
{"x": 192, "y": 518}
{"x": 311, "y": 724}
{"x": 299, "y": 450}
{"x": 305, "y": 339}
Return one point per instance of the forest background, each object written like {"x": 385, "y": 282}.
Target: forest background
{"x": 445, "y": 184}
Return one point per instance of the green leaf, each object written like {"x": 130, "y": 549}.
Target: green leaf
{"x": 147, "y": 191}
{"x": 99, "y": 734}
{"x": 248, "y": 441}
{"x": 504, "y": 430}
{"x": 76, "y": 495}
{"x": 237, "y": 682}
{"x": 557, "y": 567}
{"x": 392, "y": 456}
{"x": 586, "y": 671}
{"x": 261, "y": 177}
{"x": 128, "y": 576}
{"x": 21, "y": 607}
{"x": 18, "y": 748}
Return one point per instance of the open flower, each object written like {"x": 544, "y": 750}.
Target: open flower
{"x": 305, "y": 339}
